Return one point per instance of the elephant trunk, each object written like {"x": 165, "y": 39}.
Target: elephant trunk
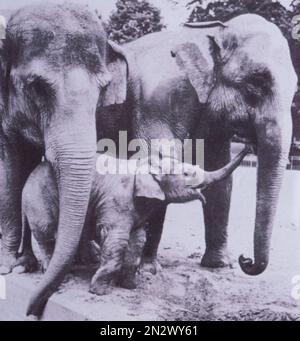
{"x": 220, "y": 174}
{"x": 75, "y": 179}
{"x": 273, "y": 151}
{"x": 71, "y": 150}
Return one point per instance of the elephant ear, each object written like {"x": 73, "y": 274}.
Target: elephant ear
{"x": 2, "y": 75}
{"x": 147, "y": 187}
{"x": 198, "y": 68}
{"x": 116, "y": 91}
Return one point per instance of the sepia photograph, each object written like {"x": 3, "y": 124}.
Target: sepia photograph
{"x": 149, "y": 162}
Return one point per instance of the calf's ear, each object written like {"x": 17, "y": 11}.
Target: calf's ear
{"x": 147, "y": 187}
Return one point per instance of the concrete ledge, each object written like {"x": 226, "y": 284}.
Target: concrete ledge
{"x": 69, "y": 304}
{"x": 19, "y": 289}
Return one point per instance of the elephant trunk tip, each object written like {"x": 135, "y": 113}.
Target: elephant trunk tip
{"x": 252, "y": 268}
{"x": 33, "y": 310}
{"x": 36, "y": 305}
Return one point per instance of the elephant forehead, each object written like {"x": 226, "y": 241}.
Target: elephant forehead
{"x": 64, "y": 34}
{"x": 70, "y": 17}
{"x": 67, "y": 49}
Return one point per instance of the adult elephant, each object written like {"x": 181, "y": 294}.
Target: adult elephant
{"x": 233, "y": 78}
{"x": 53, "y": 69}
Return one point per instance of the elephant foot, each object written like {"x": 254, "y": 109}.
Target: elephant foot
{"x": 216, "y": 259}
{"x": 100, "y": 288}
{"x": 26, "y": 263}
{"x": 129, "y": 284}
{"x": 151, "y": 265}
{"x": 8, "y": 261}
{"x": 103, "y": 284}
{"x": 127, "y": 280}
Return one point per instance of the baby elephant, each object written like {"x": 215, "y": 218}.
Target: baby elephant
{"x": 118, "y": 210}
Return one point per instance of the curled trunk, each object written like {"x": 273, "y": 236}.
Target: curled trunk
{"x": 273, "y": 148}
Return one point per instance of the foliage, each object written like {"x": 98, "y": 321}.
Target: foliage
{"x": 227, "y": 9}
{"x": 133, "y": 19}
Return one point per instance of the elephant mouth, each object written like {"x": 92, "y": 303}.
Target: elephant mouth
{"x": 239, "y": 138}
{"x": 245, "y": 137}
{"x": 244, "y": 132}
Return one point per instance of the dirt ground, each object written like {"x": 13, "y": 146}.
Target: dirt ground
{"x": 185, "y": 291}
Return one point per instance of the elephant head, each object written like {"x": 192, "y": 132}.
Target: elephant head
{"x": 247, "y": 82}
{"x": 175, "y": 182}
{"x": 57, "y": 64}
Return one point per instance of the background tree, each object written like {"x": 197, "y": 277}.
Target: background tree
{"x": 227, "y": 9}
{"x": 296, "y": 6}
{"x": 133, "y": 19}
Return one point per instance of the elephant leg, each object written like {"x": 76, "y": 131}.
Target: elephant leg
{"x": 154, "y": 233}
{"x": 132, "y": 259}
{"x": 86, "y": 251}
{"x": 27, "y": 262}
{"x": 216, "y": 210}
{"x": 46, "y": 248}
{"x": 45, "y": 238}
{"x": 113, "y": 250}
{"x": 16, "y": 163}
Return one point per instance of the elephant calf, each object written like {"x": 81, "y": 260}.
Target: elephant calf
{"x": 118, "y": 210}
